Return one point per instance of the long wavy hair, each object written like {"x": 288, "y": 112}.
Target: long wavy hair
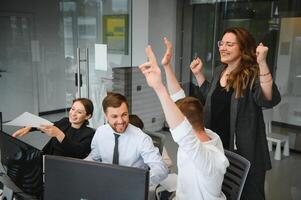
{"x": 246, "y": 73}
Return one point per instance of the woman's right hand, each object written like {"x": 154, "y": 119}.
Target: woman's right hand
{"x": 21, "y": 132}
{"x": 196, "y": 66}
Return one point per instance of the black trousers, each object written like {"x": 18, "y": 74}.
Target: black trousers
{"x": 254, "y": 186}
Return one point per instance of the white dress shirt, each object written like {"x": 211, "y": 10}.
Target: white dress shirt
{"x": 136, "y": 149}
{"x": 201, "y": 165}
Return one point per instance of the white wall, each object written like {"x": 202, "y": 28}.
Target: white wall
{"x": 283, "y": 59}
{"x": 140, "y": 31}
{"x": 152, "y": 20}
{"x": 287, "y": 69}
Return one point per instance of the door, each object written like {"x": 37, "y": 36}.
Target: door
{"x": 17, "y": 76}
{"x": 82, "y": 24}
{"x": 87, "y": 24}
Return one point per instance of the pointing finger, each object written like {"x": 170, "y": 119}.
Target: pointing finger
{"x": 150, "y": 54}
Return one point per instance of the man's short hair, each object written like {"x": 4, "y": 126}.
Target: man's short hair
{"x": 192, "y": 109}
{"x": 113, "y": 100}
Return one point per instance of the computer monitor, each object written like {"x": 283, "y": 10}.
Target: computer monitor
{"x": 70, "y": 178}
{"x": 23, "y": 165}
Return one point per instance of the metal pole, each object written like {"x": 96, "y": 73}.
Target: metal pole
{"x": 78, "y": 72}
{"x": 0, "y": 121}
{"x": 87, "y": 72}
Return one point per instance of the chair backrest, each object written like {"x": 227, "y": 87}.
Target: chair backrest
{"x": 235, "y": 176}
{"x": 268, "y": 117}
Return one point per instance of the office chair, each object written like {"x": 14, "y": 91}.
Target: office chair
{"x": 275, "y": 137}
{"x": 235, "y": 176}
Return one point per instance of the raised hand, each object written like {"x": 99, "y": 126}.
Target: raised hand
{"x": 168, "y": 53}
{"x": 196, "y": 66}
{"x": 151, "y": 70}
{"x": 261, "y": 53}
{"x": 21, "y": 132}
{"x": 172, "y": 82}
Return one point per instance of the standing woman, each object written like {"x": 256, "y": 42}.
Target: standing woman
{"x": 234, "y": 100}
{"x": 70, "y": 136}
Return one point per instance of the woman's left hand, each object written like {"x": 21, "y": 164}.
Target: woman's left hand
{"x": 52, "y": 131}
{"x": 261, "y": 53}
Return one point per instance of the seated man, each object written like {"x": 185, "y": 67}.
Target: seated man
{"x": 201, "y": 160}
{"x": 119, "y": 142}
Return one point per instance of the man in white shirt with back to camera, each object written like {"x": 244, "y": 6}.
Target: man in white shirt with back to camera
{"x": 201, "y": 160}
{"x": 135, "y": 148}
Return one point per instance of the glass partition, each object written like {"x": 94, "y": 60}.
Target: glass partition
{"x": 86, "y": 25}
{"x": 54, "y": 51}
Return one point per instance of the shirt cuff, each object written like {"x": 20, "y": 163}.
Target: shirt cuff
{"x": 178, "y": 95}
{"x": 183, "y": 129}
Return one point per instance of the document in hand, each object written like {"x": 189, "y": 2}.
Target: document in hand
{"x": 28, "y": 119}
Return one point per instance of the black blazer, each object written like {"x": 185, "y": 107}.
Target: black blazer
{"x": 247, "y": 129}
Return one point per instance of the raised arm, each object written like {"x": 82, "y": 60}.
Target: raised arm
{"x": 196, "y": 67}
{"x": 265, "y": 77}
{"x": 182, "y": 131}
{"x": 152, "y": 74}
{"x": 172, "y": 82}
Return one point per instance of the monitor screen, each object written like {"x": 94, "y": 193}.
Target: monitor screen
{"x": 70, "y": 178}
{"x": 23, "y": 164}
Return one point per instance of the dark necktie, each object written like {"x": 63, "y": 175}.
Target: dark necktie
{"x": 116, "y": 154}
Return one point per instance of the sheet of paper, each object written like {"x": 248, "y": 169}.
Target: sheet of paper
{"x": 101, "y": 57}
{"x": 28, "y": 119}
{"x": 170, "y": 183}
